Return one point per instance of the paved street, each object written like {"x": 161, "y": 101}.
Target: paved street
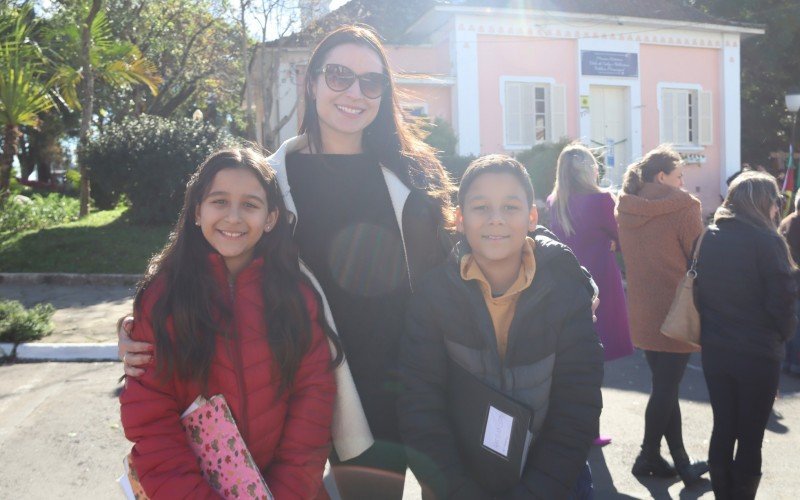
{"x": 60, "y": 434}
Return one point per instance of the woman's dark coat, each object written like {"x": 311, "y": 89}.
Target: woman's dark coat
{"x": 746, "y": 290}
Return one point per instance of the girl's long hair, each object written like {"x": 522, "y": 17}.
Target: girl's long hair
{"x": 576, "y": 173}
{"x": 395, "y": 143}
{"x": 750, "y": 199}
{"x": 193, "y": 305}
{"x": 661, "y": 159}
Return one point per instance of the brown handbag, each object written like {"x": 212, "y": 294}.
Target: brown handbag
{"x": 683, "y": 319}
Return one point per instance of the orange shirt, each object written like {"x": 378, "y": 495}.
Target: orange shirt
{"x": 502, "y": 308}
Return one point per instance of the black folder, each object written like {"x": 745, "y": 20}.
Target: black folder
{"x": 494, "y": 457}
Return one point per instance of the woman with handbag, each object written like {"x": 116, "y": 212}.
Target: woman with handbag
{"x": 658, "y": 225}
{"x": 746, "y": 293}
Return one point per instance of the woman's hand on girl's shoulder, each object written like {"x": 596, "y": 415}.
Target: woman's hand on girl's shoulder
{"x": 134, "y": 355}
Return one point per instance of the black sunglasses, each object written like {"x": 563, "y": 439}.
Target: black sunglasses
{"x": 340, "y": 78}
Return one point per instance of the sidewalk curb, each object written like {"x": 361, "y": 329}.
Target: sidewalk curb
{"x": 68, "y": 279}
{"x": 61, "y": 352}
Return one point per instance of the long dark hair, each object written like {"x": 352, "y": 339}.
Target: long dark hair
{"x": 663, "y": 158}
{"x": 191, "y": 298}
{"x": 395, "y": 143}
{"x": 750, "y": 199}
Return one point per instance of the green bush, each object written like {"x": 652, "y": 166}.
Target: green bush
{"x": 456, "y": 165}
{"x": 19, "y": 213}
{"x": 149, "y": 159}
{"x": 439, "y": 134}
{"x": 18, "y": 324}
{"x": 73, "y": 180}
{"x": 540, "y": 161}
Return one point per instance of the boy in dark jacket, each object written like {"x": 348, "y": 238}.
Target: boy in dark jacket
{"x": 514, "y": 311}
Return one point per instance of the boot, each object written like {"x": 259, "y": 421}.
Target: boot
{"x": 690, "y": 471}
{"x": 720, "y": 482}
{"x": 651, "y": 463}
{"x": 745, "y": 487}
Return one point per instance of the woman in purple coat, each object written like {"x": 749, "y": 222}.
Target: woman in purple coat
{"x": 582, "y": 216}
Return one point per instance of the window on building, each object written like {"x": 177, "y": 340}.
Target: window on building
{"x": 415, "y": 110}
{"x": 686, "y": 118}
{"x": 532, "y": 113}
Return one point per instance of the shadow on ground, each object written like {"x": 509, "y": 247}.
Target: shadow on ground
{"x": 633, "y": 374}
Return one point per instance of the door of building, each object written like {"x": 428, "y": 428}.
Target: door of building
{"x": 610, "y": 109}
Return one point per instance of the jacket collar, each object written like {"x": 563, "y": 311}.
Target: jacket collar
{"x": 220, "y": 272}
{"x": 470, "y": 270}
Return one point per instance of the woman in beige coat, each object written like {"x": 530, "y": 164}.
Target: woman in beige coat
{"x": 658, "y": 225}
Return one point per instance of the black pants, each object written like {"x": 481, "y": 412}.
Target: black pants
{"x": 742, "y": 390}
{"x": 663, "y": 414}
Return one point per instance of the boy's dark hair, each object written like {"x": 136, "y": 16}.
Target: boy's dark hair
{"x": 495, "y": 164}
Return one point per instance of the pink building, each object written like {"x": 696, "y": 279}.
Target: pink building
{"x": 623, "y": 75}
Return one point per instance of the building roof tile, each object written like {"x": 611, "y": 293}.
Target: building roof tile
{"x": 392, "y": 18}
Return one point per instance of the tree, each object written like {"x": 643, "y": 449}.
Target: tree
{"x": 23, "y": 91}
{"x": 88, "y": 52}
{"x": 275, "y": 18}
{"x": 197, "y": 50}
{"x": 770, "y": 67}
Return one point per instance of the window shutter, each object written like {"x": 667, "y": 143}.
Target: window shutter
{"x": 667, "y": 115}
{"x": 558, "y": 112}
{"x": 511, "y": 113}
{"x": 706, "y": 126}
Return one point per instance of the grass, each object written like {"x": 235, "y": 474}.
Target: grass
{"x": 102, "y": 242}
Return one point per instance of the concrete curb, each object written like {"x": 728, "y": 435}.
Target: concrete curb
{"x": 61, "y": 352}
{"x": 68, "y": 279}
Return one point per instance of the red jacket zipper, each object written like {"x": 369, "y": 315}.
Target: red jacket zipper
{"x": 238, "y": 365}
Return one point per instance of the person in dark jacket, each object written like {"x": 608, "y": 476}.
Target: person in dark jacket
{"x": 746, "y": 295}
{"x": 790, "y": 229}
{"x": 515, "y": 311}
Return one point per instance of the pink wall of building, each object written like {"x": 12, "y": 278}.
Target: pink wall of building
{"x": 424, "y": 61}
{"x": 500, "y": 56}
{"x": 429, "y": 59}
{"x": 689, "y": 65}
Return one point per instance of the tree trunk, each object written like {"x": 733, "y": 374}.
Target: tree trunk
{"x": 11, "y": 136}
{"x": 87, "y": 98}
{"x": 27, "y": 155}
{"x": 249, "y": 115}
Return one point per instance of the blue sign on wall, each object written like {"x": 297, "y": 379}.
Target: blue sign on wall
{"x": 601, "y": 63}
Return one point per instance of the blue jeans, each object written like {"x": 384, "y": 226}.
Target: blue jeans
{"x": 584, "y": 488}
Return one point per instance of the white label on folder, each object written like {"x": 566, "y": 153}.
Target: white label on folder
{"x": 497, "y": 434}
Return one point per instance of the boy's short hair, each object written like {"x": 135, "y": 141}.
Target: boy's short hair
{"x": 495, "y": 164}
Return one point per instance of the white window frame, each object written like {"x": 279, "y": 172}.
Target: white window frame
{"x": 702, "y": 116}
{"x": 548, "y": 84}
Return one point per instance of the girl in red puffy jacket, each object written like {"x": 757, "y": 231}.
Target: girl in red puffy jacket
{"x": 230, "y": 313}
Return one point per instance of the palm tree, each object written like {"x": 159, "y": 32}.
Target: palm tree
{"x": 24, "y": 93}
{"x": 89, "y": 52}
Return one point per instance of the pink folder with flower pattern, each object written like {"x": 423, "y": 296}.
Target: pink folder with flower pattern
{"x": 224, "y": 459}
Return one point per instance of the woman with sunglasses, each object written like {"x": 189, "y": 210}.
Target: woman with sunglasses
{"x": 369, "y": 203}
{"x": 746, "y": 295}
